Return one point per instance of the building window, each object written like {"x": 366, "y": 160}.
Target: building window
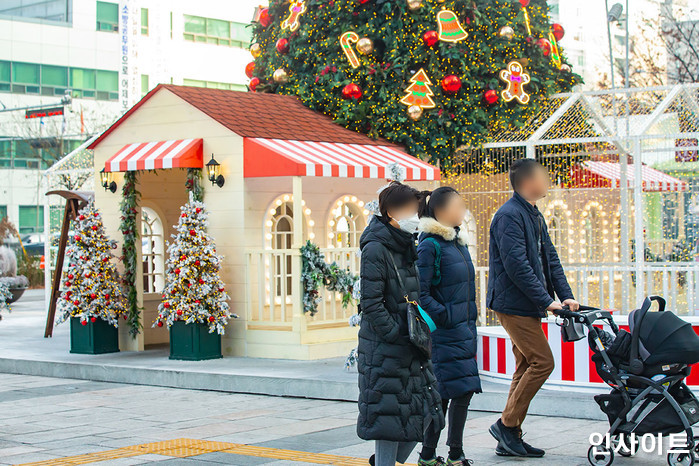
{"x": 31, "y": 218}
{"x": 216, "y": 31}
{"x": 592, "y": 244}
{"x": 3, "y": 211}
{"x": 558, "y": 224}
{"x": 36, "y": 153}
{"x": 107, "y": 16}
{"x": 145, "y": 85}
{"x": 346, "y": 223}
{"x": 144, "y": 21}
{"x": 214, "y": 85}
{"x": 152, "y": 251}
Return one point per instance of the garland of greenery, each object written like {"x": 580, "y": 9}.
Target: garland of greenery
{"x": 316, "y": 272}
{"x": 129, "y": 211}
{"x": 193, "y": 183}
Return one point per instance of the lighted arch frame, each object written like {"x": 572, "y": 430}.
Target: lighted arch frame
{"x": 551, "y": 213}
{"x": 279, "y": 223}
{"x": 346, "y": 221}
{"x": 607, "y": 227}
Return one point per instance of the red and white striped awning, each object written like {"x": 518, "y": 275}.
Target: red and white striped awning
{"x": 180, "y": 153}
{"x": 279, "y": 157}
{"x": 593, "y": 174}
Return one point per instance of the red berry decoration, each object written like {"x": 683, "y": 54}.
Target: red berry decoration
{"x": 196, "y": 301}
{"x": 212, "y": 318}
{"x": 67, "y": 283}
{"x": 283, "y": 46}
{"x": 84, "y": 322}
{"x": 249, "y": 69}
{"x": 198, "y": 209}
{"x": 201, "y": 281}
{"x": 254, "y": 82}
{"x": 70, "y": 275}
{"x": 125, "y": 317}
{"x": 177, "y": 271}
{"x": 173, "y": 291}
{"x": 93, "y": 296}
{"x": 93, "y": 319}
{"x": 68, "y": 293}
{"x": 196, "y": 262}
{"x": 94, "y": 227}
{"x": 490, "y": 96}
{"x": 193, "y": 232}
{"x": 160, "y": 323}
{"x": 82, "y": 217}
{"x": 183, "y": 215}
{"x": 96, "y": 214}
{"x": 545, "y": 46}
{"x": 87, "y": 274}
{"x": 77, "y": 237}
{"x": 264, "y": 17}
{"x": 166, "y": 305}
{"x": 76, "y": 302}
{"x": 107, "y": 296}
{"x": 558, "y": 31}
{"x": 451, "y": 84}
{"x": 179, "y": 312}
{"x": 430, "y": 38}
{"x": 351, "y": 91}
{"x": 220, "y": 289}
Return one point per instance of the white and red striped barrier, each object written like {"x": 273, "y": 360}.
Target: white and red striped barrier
{"x": 574, "y": 369}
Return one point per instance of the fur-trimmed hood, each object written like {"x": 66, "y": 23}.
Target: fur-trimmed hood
{"x": 430, "y": 225}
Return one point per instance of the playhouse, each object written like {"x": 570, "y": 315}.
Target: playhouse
{"x": 287, "y": 175}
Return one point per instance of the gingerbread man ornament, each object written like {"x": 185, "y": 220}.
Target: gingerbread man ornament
{"x": 515, "y": 78}
{"x": 296, "y": 9}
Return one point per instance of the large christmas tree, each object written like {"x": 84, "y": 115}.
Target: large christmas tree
{"x": 194, "y": 291}
{"x": 91, "y": 287}
{"x": 371, "y": 65}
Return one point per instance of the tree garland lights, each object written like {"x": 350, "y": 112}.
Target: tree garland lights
{"x": 128, "y": 226}
{"x": 193, "y": 183}
{"x": 317, "y": 68}
{"x": 316, "y": 272}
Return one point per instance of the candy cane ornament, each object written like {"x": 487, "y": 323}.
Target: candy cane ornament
{"x": 346, "y": 41}
{"x": 555, "y": 52}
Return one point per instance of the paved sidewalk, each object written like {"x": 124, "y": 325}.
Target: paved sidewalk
{"x": 45, "y": 419}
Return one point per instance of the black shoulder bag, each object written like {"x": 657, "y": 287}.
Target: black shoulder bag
{"x": 418, "y": 329}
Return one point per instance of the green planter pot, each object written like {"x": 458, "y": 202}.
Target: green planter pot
{"x": 193, "y": 342}
{"x": 94, "y": 338}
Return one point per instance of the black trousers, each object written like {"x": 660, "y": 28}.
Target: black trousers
{"x": 455, "y": 410}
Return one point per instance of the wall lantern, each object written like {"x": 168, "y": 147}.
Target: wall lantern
{"x": 214, "y": 169}
{"x": 107, "y": 182}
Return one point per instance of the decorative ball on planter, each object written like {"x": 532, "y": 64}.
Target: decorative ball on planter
{"x": 490, "y": 96}
{"x": 264, "y": 17}
{"x": 249, "y": 69}
{"x": 283, "y": 46}
{"x": 280, "y": 76}
{"x": 414, "y": 4}
{"x": 507, "y": 32}
{"x": 351, "y": 91}
{"x": 365, "y": 45}
{"x": 558, "y": 31}
{"x": 414, "y": 112}
{"x": 451, "y": 84}
{"x": 545, "y": 46}
{"x": 430, "y": 38}
{"x": 255, "y": 50}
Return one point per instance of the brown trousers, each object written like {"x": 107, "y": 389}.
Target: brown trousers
{"x": 534, "y": 364}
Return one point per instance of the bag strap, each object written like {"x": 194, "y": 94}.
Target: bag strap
{"x": 400, "y": 280}
{"x": 437, "y": 276}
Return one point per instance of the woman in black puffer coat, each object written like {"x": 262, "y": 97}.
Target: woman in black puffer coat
{"x": 448, "y": 295}
{"x": 398, "y": 399}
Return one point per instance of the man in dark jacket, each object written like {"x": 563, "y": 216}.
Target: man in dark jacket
{"x": 525, "y": 277}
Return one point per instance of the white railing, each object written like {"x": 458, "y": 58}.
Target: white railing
{"x": 269, "y": 291}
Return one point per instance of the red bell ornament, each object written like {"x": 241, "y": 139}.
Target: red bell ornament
{"x": 283, "y": 46}
{"x": 490, "y": 96}
{"x": 351, "y": 91}
{"x": 264, "y": 18}
{"x": 558, "y": 31}
{"x": 430, "y": 38}
{"x": 545, "y": 46}
{"x": 249, "y": 69}
{"x": 451, "y": 84}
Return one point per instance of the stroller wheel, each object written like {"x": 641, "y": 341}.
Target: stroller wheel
{"x": 600, "y": 455}
{"x": 680, "y": 459}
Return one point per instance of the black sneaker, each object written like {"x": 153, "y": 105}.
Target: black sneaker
{"x": 372, "y": 460}
{"x": 508, "y": 438}
{"x": 532, "y": 452}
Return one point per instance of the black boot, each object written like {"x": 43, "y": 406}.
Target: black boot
{"x": 508, "y": 438}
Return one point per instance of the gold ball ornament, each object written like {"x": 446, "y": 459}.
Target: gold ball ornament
{"x": 255, "y": 50}
{"x": 414, "y": 112}
{"x": 507, "y": 32}
{"x": 280, "y": 76}
{"x": 565, "y": 67}
{"x": 365, "y": 45}
{"x": 414, "y": 4}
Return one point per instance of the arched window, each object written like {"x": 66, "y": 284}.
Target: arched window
{"x": 346, "y": 222}
{"x": 593, "y": 248}
{"x": 558, "y": 225}
{"x": 471, "y": 229}
{"x": 152, "y": 251}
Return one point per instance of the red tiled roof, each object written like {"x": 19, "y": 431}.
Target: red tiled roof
{"x": 257, "y": 115}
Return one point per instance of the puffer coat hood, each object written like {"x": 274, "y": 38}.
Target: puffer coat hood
{"x": 398, "y": 396}
{"x": 448, "y": 294}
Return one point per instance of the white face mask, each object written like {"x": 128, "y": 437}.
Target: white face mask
{"x": 409, "y": 224}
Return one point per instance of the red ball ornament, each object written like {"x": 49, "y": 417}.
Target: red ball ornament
{"x": 68, "y": 293}
{"x": 67, "y": 283}
{"x": 283, "y": 46}
{"x": 82, "y": 217}
{"x": 558, "y": 31}
{"x": 201, "y": 281}
{"x": 430, "y": 38}
{"x": 70, "y": 275}
{"x": 107, "y": 296}
{"x": 173, "y": 291}
{"x": 490, "y": 96}
{"x": 212, "y": 318}
{"x": 93, "y": 296}
{"x": 254, "y": 82}
{"x": 177, "y": 271}
{"x": 351, "y": 91}
{"x": 96, "y": 214}
{"x": 197, "y": 210}
{"x": 264, "y": 17}
{"x": 76, "y": 302}
{"x": 183, "y": 215}
{"x": 249, "y": 69}
{"x": 193, "y": 232}
{"x": 179, "y": 312}
{"x": 220, "y": 289}
{"x": 196, "y": 262}
{"x": 545, "y": 46}
{"x": 451, "y": 84}
{"x": 94, "y": 227}
{"x": 93, "y": 319}
{"x": 196, "y": 301}
{"x": 166, "y": 305}
{"x": 77, "y": 237}
{"x": 160, "y": 324}
{"x": 84, "y": 322}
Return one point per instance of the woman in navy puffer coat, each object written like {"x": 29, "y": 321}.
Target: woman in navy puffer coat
{"x": 447, "y": 294}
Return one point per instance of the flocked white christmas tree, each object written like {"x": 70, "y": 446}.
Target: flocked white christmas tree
{"x": 91, "y": 287}
{"x": 193, "y": 289}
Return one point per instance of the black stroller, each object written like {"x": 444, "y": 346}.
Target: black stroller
{"x": 646, "y": 370}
